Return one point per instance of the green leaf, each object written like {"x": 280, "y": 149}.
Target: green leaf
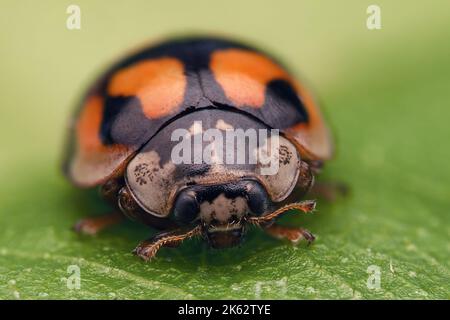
{"x": 385, "y": 93}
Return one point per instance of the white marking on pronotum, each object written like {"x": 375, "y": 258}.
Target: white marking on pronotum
{"x": 239, "y": 146}
{"x": 222, "y": 125}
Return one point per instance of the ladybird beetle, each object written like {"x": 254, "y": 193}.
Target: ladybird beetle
{"x": 122, "y": 141}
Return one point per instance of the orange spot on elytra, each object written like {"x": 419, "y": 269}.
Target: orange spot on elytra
{"x": 244, "y": 75}
{"x": 88, "y": 125}
{"x": 159, "y": 84}
{"x": 314, "y": 135}
{"x": 88, "y": 131}
{"x": 93, "y": 160}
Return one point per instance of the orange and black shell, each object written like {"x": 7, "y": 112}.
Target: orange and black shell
{"x": 144, "y": 92}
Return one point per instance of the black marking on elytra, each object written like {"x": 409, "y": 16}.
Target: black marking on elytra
{"x": 194, "y": 53}
{"x": 282, "y": 97}
{"x": 125, "y": 123}
{"x": 282, "y": 107}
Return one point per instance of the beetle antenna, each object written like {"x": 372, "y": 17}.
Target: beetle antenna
{"x": 148, "y": 249}
{"x": 305, "y": 206}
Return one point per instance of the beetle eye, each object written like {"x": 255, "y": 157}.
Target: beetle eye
{"x": 257, "y": 199}
{"x": 186, "y": 207}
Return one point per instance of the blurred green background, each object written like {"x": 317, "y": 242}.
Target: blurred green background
{"x": 385, "y": 93}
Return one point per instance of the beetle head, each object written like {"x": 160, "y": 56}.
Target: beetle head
{"x": 221, "y": 209}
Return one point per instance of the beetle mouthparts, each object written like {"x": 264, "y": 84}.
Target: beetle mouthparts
{"x": 224, "y": 236}
{"x": 224, "y": 227}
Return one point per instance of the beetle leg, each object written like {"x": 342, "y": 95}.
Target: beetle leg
{"x": 305, "y": 206}
{"x": 110, "y": 190}
{"x": 147, "y": 249}
{"x": 127, "y": 204}
{"x": 328, "y": 190}
{"x": 316, "y": 166}
{"x": 93, "y": 225}
{"x": 292, "y": 234}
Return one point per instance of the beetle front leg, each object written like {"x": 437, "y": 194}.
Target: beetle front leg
{"x": 147, "y": 249}
{"x": 94, "y": 225}
{"x": 328, "y": 190}
{"x": 292, "y": 234}
{"x": 295, "y": 235}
